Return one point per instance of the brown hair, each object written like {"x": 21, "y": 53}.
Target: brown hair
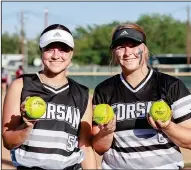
{"x": 133, "y": 26}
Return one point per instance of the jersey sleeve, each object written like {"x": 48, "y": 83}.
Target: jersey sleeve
{"x": 98, "y": 96}
{"x": 181, "y": 102}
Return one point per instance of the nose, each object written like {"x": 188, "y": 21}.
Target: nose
{"x": 56, "y": 54}
{"x": 128, "y": 50}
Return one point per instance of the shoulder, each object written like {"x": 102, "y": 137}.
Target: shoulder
{"x": 167, "y": 80}
{"x": 108, "y": 83}
{"x": 20, "y": 80}
{"x": 17, "y": 83}
{"x": 15, "y": 86}
{"x": 75, "y": 86}
{"x": 175, "y": 88}
{"x": 28, "y": 75}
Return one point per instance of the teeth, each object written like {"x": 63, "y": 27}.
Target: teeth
{"x": 130, "y": 59}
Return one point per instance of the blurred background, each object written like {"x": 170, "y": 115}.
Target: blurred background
{"x": 167, "y": 25}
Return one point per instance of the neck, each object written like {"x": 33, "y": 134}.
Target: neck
{"x": 135, "y": 77}
{"x": 54, "y": 80}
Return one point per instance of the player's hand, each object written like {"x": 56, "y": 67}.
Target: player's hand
{"x": 110, "y": 127}
{"x": 159, "y": 125}
{"x": 22, "y": 107}
{"x": 28, "y": 122}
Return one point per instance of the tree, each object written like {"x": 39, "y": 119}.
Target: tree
{"x": 92, "y": 44}
{"x": 33, "y": 51}
{"x": 164, "y": 34}
{"x": 10, "y": 44}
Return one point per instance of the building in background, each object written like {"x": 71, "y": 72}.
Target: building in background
{"x": 11, "y": 61}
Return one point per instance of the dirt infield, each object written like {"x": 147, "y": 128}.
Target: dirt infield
{"x": 6, "y": 160}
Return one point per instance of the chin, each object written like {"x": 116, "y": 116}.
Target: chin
{"x": 130, "y": 67}
{"x": 56, "y": 70}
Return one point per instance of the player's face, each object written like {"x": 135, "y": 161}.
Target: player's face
{"x": 129, "y": 54}
{"x": 56, "y": 57}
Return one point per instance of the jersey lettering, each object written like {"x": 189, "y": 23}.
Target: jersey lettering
{"x": 126, "y": 111}
{"x": 69, "y": 114}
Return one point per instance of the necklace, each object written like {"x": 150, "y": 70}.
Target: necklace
{"x": 54, "y": 86}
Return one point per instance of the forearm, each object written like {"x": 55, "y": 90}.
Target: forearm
{"x": 180, "y": 135}
{"x": 89, "y": 161}
{"x": 98, "y": 160}
{"x": 102, "y": 142}
{"x": 14, "y": 138}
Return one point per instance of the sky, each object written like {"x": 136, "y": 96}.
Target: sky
{"x": 74, "y": 14}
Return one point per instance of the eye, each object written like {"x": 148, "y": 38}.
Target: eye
{"x": 49, "y": 50}
{"x": 65, "y": 48}
{"x": 61, "y": 50}
{"x": 133, "y": 45}
{"x": 120, "y": 47}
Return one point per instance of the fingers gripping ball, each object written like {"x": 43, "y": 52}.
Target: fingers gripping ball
{"x": 103, "y": 113}
{"x": 35, "y": 107}
{"x": 160, "y": 111}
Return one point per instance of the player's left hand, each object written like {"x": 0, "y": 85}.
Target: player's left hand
{"x": 159, "y": 125}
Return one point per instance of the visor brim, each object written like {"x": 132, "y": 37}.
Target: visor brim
{"x": 54, "y": 41}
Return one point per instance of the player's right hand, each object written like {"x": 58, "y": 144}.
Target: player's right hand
{"x": 108, "y": 128}
{"x": 22, "y": 107}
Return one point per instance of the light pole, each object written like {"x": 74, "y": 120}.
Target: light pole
{"x": 45, "y": 18}
{"x": 25, "y": 55}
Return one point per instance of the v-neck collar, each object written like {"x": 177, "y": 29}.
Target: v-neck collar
{"x": 52, "y": 89}
{"x": 140, "y": 85}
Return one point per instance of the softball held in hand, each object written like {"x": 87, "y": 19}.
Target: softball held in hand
{"x": 160, "y": 111}
{"x": 35, "y": 107}
{"x": 103, "y": 113}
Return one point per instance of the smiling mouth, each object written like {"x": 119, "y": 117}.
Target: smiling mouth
{"x": 127, "y": 59}
{"x": 56, "y": 62}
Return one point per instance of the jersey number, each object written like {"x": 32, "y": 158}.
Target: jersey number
{"x": 71, "y": 143}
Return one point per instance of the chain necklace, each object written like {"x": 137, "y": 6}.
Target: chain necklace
{"x": 54, "y": 86}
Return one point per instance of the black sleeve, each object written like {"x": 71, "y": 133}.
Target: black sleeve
{"x": 98, "y": 96}
{"x": 181, "y": 101}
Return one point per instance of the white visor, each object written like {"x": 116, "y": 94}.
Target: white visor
{"x": 56, "y": 35}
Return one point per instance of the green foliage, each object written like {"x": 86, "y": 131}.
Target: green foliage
{"x": 10, "y": 44}
{"x": 92, "y": 44}
{"x": 32, "y": 51}
{"x": 164, "y": 35}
